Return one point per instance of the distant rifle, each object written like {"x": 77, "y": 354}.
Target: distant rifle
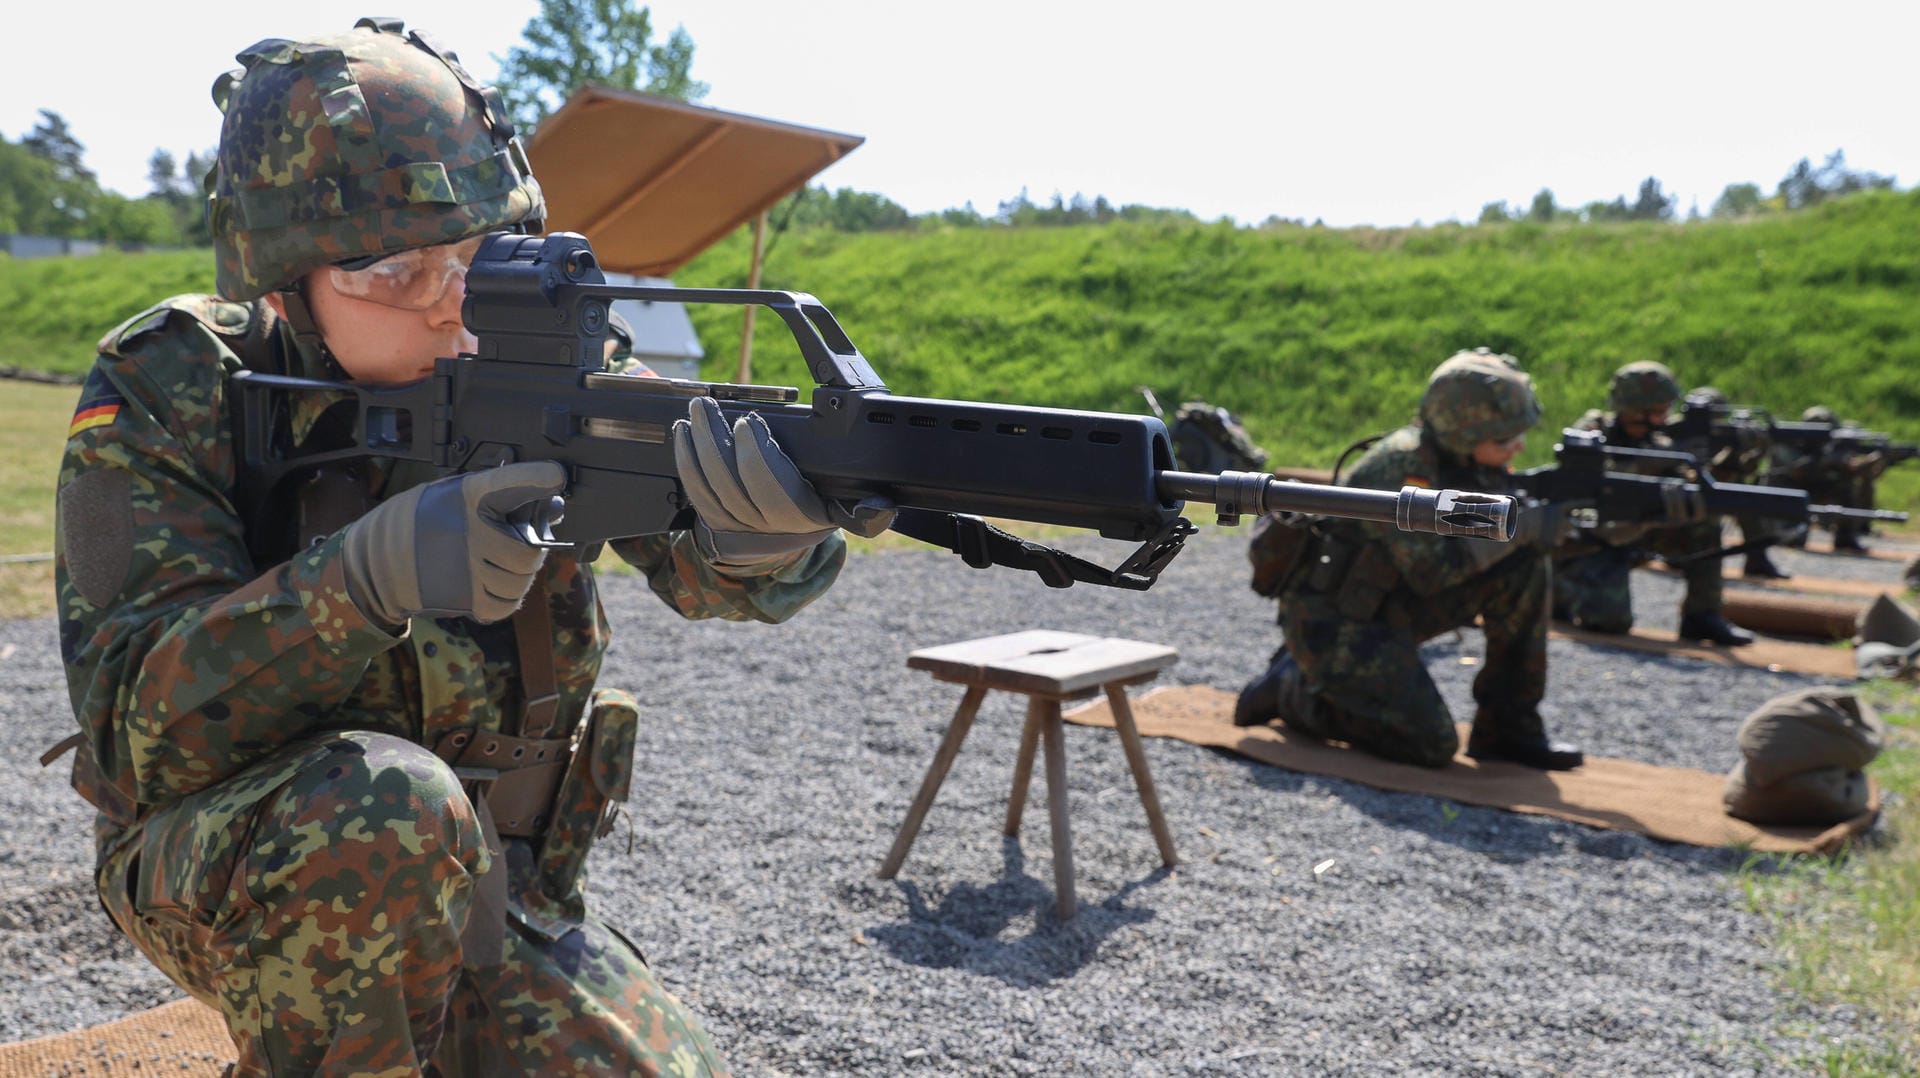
{"x": 1583, "y": 480}
{"x": 536, "y": 389}
{"x": 1716, "y": 432}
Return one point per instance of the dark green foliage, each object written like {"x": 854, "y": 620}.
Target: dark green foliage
{"x": 609, "y": 42}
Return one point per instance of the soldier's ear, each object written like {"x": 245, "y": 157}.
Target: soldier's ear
{"x": 278, "y": 302}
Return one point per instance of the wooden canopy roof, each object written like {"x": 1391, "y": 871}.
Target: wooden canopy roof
{"x": 653, "y": 182}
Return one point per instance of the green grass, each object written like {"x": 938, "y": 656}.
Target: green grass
{"x": 1849, "y": 926}
{"x": 33, "y": 427}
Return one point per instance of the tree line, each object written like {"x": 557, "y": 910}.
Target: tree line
{"x": 47, "y": 189}
{"x": 1802, "y": 186}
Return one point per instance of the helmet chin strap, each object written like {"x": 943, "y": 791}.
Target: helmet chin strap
{"x": 306, "y": 329}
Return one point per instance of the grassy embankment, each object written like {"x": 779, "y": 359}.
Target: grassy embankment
{"x": 1315, "y": 337}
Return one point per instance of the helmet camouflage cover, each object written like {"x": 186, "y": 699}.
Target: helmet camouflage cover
{"x": 356, "y": 145}
{"x": 1478, "y": 395}
{"x": 1643, "y": 386}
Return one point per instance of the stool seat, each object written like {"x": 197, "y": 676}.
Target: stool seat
{"x": 1043, "y": 662}
{"x": 1047, "y": 667}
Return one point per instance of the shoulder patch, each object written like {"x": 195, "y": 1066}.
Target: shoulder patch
{"x": 100, "y": 404}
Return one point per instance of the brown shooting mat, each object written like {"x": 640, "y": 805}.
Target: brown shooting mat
{"x": 185, "y": 1037}
{"x": 1673, "y": 804}
{"x": 1825, "y": 660}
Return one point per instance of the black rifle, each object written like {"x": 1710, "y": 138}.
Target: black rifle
{"x": 1709, "y": 429}
{"x": 1582, "y": 480}
{"x": 536, "y": 389}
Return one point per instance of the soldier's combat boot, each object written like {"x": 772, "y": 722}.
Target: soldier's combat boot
{"x": 1760, "y": 566}
{"x": 1524, "y": 742}
{"x": 1712, "y": 628}
{"x": 1280, "y": 693}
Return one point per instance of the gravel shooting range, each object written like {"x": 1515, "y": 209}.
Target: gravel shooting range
{"x": 1271, "y": 543}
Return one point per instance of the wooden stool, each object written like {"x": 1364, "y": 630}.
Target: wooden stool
{"x": 1048, "y": 667}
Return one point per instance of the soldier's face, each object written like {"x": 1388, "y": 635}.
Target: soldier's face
{"x": 1641, "y": 424}
{"x": 1498, "y": 452}
{"x": 386, "y": 345}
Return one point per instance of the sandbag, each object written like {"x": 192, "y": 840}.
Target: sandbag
{"x": 1807, "y": 730}
{"x": 1824, "y": 795}
{"x": 1886, "y": 640}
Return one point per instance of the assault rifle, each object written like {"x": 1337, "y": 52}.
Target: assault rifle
{"x": 536, "y": 389}
{"x": 1583, "y": 479}
{"x": 1816, "y": 439}
{"x": 1712, "y": 429}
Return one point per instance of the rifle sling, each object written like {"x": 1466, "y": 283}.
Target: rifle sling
{"x": 980, "y": 545}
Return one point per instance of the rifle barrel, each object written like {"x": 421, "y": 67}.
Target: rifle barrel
{"x": 1413, "y": 509}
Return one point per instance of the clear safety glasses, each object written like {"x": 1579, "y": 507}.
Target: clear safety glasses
{"x": 410, "y": 280}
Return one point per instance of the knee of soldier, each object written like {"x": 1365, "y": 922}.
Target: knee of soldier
{"x": 381, "y": 801}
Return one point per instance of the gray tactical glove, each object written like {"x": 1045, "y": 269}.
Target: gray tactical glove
{"x": 751, "y": 502}
{"x": 444, "y": 549}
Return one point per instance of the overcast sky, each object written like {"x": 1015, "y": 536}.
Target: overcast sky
{"x": 1353, "y": 113}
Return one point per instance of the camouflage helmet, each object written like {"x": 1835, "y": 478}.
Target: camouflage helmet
{"x": 1819, "y": 413}
{"x": 1643, "y": 386}
{"x": 1478, "y": 395}
{"x": 620, "y": 332}
{"x": 356, "y": 145}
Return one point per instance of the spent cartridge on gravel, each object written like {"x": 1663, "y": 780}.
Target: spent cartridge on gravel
{"x": 536, "y": 388}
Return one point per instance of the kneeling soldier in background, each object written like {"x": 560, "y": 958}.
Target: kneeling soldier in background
{"x": 1592, "y": 589}
{"x": 1358, "y": 599}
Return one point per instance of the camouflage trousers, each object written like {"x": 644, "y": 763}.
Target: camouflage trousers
{"x": 1594, "y": 591}
{"x": 1370, "y": 687}
{"x": 318, "y": 898}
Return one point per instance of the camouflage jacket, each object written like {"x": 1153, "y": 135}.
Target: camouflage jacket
{"x": 1409, "y": 456}
{"x": 187, "y": 662}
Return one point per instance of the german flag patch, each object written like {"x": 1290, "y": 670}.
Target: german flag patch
{"x": 100, "y": 405}
{"x": 1417, "y": 481}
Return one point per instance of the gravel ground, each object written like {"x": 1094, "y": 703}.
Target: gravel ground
{"x": 777, "y": 763}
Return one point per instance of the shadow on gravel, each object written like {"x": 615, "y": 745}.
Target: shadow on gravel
{"x": 966, "y": 930}
{"x": 1507, "y": 837}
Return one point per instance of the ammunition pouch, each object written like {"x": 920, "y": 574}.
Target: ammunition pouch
{"x": 1357, "y": 576}
{"x": 598, "y": 779}
{"x": 1280, "y": 550}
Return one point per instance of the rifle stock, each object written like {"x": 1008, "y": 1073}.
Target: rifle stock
{"x": 535, "y": 389}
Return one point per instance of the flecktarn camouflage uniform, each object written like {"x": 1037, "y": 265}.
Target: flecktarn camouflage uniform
{"x": 1368, "y": 682}
{"x": 1592, "y": 589}
{"x": 282, "y": 829}
{"x": 1370, "y": 594}
{"x": 279, "y": 837}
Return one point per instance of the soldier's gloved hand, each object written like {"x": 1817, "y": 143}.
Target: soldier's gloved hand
{"x": 444, "y": 549}
{"x": 751, "y": 502}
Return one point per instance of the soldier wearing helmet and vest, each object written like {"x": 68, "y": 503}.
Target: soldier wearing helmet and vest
{"x": 1363, "y": 597}
{"x": 271, "y": 717}
{"x": 1591, "y": 587}
{"x": 1835, "y": 475}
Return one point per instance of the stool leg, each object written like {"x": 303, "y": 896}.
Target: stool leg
{"x": 936, "y": 774}
{"x": 1142, "y": 778}
{"x": 1023, "y": 766}
{"x": 1056, "y": 742}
